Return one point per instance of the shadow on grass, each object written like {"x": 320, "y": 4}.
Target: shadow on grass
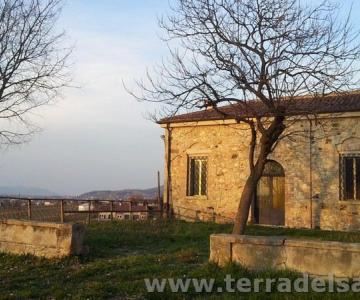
{"x": 157, "y": 237}
{"x": 122, "y": 254}
{"x": 129, "y": 238}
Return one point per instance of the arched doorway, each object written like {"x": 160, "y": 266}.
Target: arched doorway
{"x": 270, "y": 195}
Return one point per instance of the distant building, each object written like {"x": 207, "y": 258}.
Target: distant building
{"x": 131, "y": 210}
{"x": 85, "y": 207}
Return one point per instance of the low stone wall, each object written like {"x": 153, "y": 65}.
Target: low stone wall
{"x": 319, "y": 258}
{"x": 48, "y": 240}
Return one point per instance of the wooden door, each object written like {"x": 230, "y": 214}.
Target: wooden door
{"x": 264, "y": 200}
{"x": 270, "y": 197}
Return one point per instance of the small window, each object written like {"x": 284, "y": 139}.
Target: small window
{"x": 197, "y": 176}
{"x": 350, "y": 177}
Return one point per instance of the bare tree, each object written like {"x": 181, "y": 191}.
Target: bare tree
{"x": 33, "y": 63}
{"x": 259, "y": 56}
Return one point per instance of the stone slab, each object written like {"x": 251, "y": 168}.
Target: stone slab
{"x": 315, "y": 257}
{"x": 43, "y": 239}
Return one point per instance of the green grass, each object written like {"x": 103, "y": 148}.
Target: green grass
{"x": 122, "y": 254}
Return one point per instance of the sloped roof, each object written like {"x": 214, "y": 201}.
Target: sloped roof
{"x": 339, "y": 103}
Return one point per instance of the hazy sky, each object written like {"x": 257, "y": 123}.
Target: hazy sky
{"x": 97, "y": 136}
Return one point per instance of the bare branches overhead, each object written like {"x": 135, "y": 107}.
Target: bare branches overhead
{"x": 33, "y": 62}
{"x": 241, "y": 50}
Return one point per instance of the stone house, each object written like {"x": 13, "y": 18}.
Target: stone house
{"x": 311, "y": 180}
{"x": 137, "y": 214}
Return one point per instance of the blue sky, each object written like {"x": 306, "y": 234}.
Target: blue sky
{"x": 96, "y": 136}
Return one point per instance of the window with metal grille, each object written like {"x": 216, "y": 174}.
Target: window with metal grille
{"x": 350, "y": 177}
{"x": 197, "y": 176}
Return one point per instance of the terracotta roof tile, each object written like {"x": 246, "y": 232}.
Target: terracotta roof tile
{"x": 339, "y": 103}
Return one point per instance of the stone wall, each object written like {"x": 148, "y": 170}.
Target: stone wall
{"x": 305, "y": 256}
{"x": 48, "y": 240}
{"x": 310, "y": 161}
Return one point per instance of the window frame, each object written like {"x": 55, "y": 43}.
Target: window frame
{"x": 342, "y": 174}
{"x": 189, "y": 192}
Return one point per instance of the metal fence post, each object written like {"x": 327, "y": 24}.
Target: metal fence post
{"x": 130, "y": 210}
{"x": 62, "y": 214}
{"x": 88, "y": 216}
{"x": 29, "y": 209}
{"x": 146, "y": 204}
{"x": 112, "y": 209}
{"x": 160, "y": 200}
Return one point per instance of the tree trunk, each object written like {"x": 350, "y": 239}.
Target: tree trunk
{"x": 247, "y": 197}
{"x": 269, "y": 137}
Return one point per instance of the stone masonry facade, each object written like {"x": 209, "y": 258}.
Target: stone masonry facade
{"x": 310, "y": 159}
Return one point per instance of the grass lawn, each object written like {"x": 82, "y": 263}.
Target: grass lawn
{"x": 123, "y": 253}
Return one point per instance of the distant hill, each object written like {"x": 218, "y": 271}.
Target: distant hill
{"x": 25, "y": 191}
{"x": 121, "y": 194}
